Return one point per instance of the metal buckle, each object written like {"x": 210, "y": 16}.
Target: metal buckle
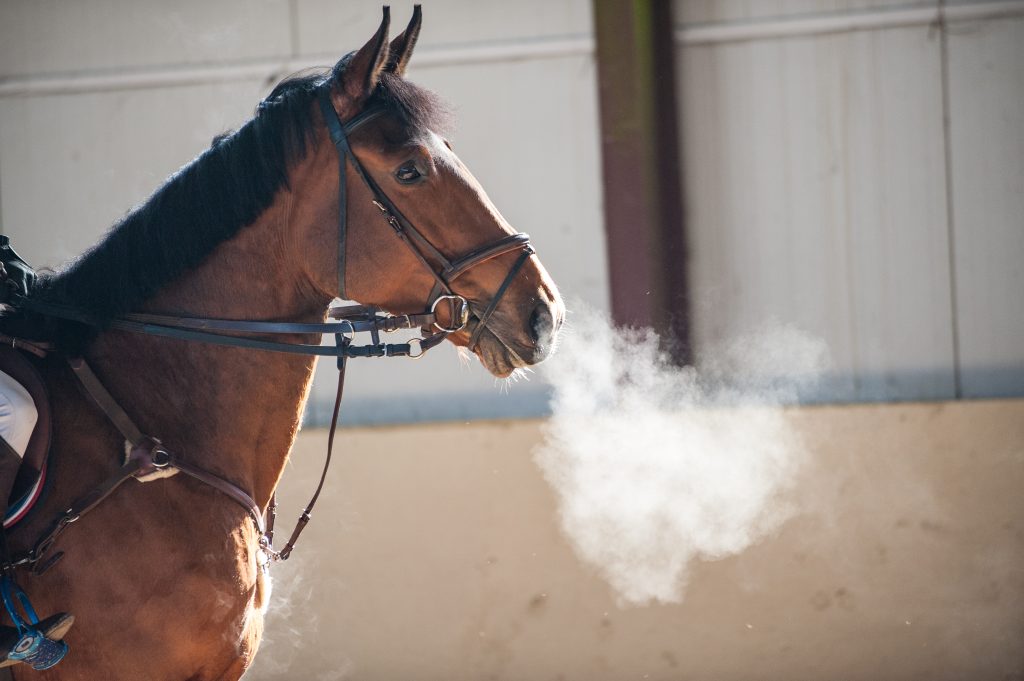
{"x": 349, "y": 335}
{"x": 388, "y": 215}
{"x": 418, "y": 344}
{"x": 462, "y": 315}
{"x": 160, "y": 457}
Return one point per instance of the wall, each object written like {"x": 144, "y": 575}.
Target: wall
{"x": 849, "y": 168}
{"x": 101, "y": 100}
{"x": 428, "y": 562}
{"x": 858, "y": 172}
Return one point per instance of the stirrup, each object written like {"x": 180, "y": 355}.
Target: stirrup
{"x": 32, "y": 645}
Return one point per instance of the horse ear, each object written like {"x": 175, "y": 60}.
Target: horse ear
{"x": 361, "y": 76}
{"x": 402, "y": 46}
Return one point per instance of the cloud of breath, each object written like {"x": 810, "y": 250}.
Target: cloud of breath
{"x": 657, "y": 466}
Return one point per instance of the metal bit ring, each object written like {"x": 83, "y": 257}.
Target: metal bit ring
{"x": 463, "y": 316}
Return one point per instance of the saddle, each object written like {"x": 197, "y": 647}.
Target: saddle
{"x": 32, "y": 475}
{"x": 16, "y": 277}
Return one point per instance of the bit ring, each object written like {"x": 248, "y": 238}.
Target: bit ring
{"x": 463, "y": 314}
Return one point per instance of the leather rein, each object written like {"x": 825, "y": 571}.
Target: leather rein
{"x": 147, "y": 455}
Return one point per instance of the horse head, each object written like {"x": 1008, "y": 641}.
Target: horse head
{"x": 416, "y": 225}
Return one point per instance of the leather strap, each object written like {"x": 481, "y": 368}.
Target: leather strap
{"x": 144, "y": 459}
{"x": 80, "y": 507}
{"x": 105, "y": 401}
{"x": 303, "y": 520}
{"x": 410, "y": 349}
{"x": 338, "y": 137}
{"x": 513, "y": 242}
{"x": 454, "y": 270}
{"x": 349, "y": 325}
{"x": 221, "y": 485}
{"x": 217, "y": 331}
{"x": 271, "y": 516}
{"x": 148, "y": 451}
{"x": 482, "y": 324}
{"x": 147, "y": 456}
{"x": 37, "y": 348}
{"x": 341, "y": 143}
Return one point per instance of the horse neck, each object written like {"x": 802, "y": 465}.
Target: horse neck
{"x": 234, "y": 412}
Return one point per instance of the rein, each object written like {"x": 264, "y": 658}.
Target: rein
{"x": 353, "y": 319}
{"x": 147, "y": 455}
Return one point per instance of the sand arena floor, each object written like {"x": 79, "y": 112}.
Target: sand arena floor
{"x": 436, "y": 554}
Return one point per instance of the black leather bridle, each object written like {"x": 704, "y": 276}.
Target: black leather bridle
{"x": 420, "y": 246}
{"x": 148, "y": 454}
{"x": 351, "y": 318}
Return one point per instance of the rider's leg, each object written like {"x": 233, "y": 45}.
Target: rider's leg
{"x": 18, "y": 417}
{"x": 17, "y": 414}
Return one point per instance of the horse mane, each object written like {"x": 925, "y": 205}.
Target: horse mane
{"x": 205, "y": 203}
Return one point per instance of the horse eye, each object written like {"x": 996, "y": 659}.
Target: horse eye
{"x": 408, "y": 173}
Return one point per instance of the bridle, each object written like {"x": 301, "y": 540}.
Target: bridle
{"x": 147, "y": 455}
{"x": 352, "y": 319}
{"x": 411, "y": 237}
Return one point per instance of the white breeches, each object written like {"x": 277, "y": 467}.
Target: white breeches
{"x": 17, "y": 414}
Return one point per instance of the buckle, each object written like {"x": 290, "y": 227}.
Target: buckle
{"x": 461, "y": 315}
{"x": 349, "y": 334}
{"x": 160, "y": 457}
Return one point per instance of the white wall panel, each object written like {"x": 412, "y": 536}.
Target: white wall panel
{"x": 815, "y": 188}
{"x": 48, "y": 36}
{"x": 986, "y": 72}
{"x": 70, "y": 166}
{"x": 327, "y": 26}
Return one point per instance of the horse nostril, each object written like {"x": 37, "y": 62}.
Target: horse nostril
{"x": 541, "y": 324}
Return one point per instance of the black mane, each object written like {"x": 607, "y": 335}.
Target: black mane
{"x": 205, "y": 203}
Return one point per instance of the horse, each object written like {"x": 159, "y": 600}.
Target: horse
{"x": 166, "y": 578}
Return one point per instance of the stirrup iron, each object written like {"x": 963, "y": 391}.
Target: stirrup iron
{"x": 32, "y": 647}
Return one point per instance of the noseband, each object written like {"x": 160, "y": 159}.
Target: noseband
{"x": 420, "y": 246}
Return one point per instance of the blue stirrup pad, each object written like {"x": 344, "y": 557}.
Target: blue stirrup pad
{"x": 32, "y": 647}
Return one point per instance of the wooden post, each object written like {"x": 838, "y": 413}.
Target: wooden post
{"x": 641, "y": 170}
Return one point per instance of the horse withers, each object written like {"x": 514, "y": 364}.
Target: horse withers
{"x": 165, "y": 578}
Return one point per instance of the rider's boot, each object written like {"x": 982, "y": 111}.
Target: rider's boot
{"x": 54, "y": 627}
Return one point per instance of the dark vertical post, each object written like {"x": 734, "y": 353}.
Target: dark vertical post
{"x": 641, "y": 169}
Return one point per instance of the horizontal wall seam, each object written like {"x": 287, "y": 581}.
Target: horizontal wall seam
{"x": 271, "y": 70}
{"x": 822, "y": 24}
